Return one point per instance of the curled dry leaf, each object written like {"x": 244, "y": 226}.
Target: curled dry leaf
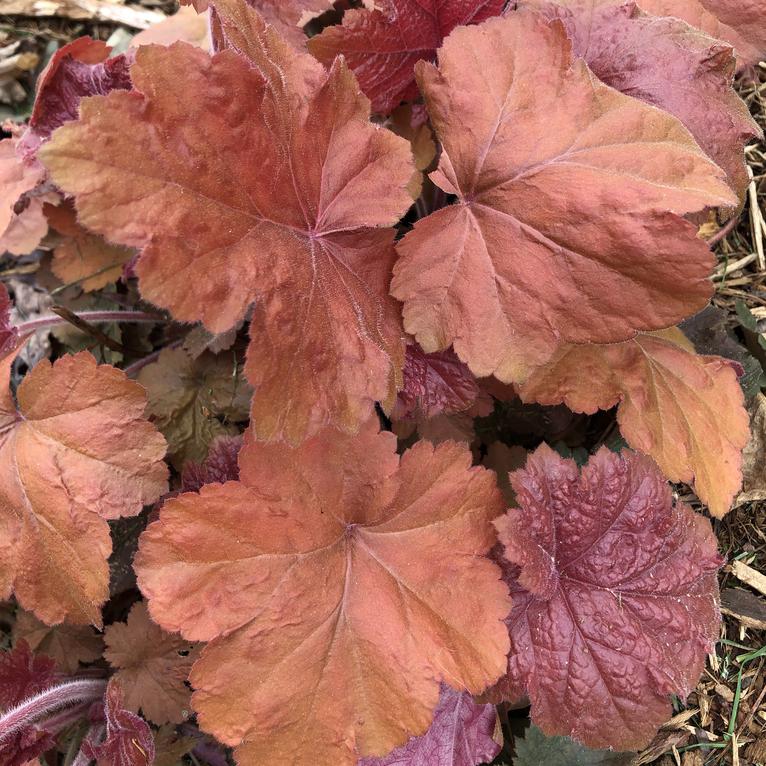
{"x": 83, "y": 257}
{"x": 151, "y": 667}
{"x": 561, "y": 229}
{"x": 193, "y": 401}
{"x": 615, "y": 597}
{"x": 383, "y": 45}
{"x": 685, "y": 411}
{"x": 75, "y": 452}
{"x": 668, "y": 64}
{"x": 461, "y": 734}
{"x": 742, "y": 23}
{"x": 754, "y": 455}
{"x": 291, "y": 207}
{"x": 325, "y": 581}
{"x": 67, "y": 645}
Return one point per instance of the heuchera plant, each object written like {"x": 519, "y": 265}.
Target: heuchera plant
{"x": 427, "y": 220}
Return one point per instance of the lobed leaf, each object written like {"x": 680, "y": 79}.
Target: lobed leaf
{"x": 561, "y": 229}
{"x": 326, "y": 581}
{"x": 383, "y": 45}
{"x": 291, "y": 207}
{"x": 667, "y": 64}
{"x": 67, "y": 645}
{"x": 615, "y": 597}
{"x": 462, "y": 734}
{"x": 83, "y": 258}
{"x": 76, "y": 452}
{"x": 194, "y": 401}
{"x": 685, "y": 411}
{"x": 535, "y": 749}
{"x": 151, "y": 667}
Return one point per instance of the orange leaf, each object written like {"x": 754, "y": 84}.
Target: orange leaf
{"x": 685, "y": 411}
{"x": 285, "y": 194}
{"x": 327, "y": 581}
{"x": 76, "y": 452}
{"x": 152, "y": 667}
{"x": 561, "y": 229}
{"x": 83, "y": 257}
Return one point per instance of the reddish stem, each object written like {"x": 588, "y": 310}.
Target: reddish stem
{"x": 43, "y": 323}
{"x": 723, "y": 232}
{"x": 50, "y": 701}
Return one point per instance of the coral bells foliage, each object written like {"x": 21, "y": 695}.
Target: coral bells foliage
{"x": 519, "y": 234}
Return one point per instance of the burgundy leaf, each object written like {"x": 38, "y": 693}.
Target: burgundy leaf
{"x": 23, "y": 674}
{"x": 218, "y": 467}
{"x": 434, "y": 384}
{"x": 81, "y": 68}
{"x": 128, "y": 740}
{"x": 461, "y": 735}
{"x": 615, "y": 598}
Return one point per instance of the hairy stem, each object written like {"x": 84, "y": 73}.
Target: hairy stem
{"x": 43, "y": 323}
{"x": 50, "y": 701}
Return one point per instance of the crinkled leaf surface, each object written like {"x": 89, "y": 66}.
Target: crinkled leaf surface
{"x": 128, "y": 740}
{"x": 434, "y": 384}
{"x": 742, "y": 23}
{"x": 193, "y": 401}
{"x": 76, "y": 70}
{"x": 615, "y": 597}
{"x": 23, "y": 674}
{"x": 218, "y": 467}
{"x": 83, "y": 257}
{"x": 668, "y": 64}
{"x": 561, "y": 229}
{"x": 535, "y": 749}
{"x": 383, "y": 45}
{"x": 327, "y": 583}
{"x": 67, "y": 645}
{"x": 461, "y": 734}
{"x": 152, "y": 667}
{"x": 75, "y": 452}
{"x": 291, "y": 206}
{"x": 685, "y": 411}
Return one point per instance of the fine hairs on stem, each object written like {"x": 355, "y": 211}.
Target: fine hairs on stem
{"x": 51, "y": 700}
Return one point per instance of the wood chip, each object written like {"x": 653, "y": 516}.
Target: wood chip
{"x": 97, "y": 10}
{"x": 745, "y": 607}
{"x": 749, "y": 576}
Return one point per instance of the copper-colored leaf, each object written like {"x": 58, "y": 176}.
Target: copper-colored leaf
{"x": 615, "y": 596}
{"x": 383, "y": 45}
{"x": 290, "y": 206}
{"x": 668, "y": 64}
{"x": 152, "y": 667}
{"x": 685, "y": 411}
{"x": 67, "y": 645}
{"x": 561, "y": 229}
{"x": 83, "y": 257}
{"x": 76, "y": 451}
{"x": 193, "y": 401}
{"x": 740, "y": 22}
{"x": 327, "y": 581}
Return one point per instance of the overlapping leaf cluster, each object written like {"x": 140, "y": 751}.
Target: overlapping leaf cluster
{"x": 475, "y": 269}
